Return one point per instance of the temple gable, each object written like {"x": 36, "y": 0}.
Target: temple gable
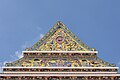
{"x": 60, "y": 38}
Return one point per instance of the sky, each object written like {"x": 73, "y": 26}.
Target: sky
{"x": 95, "y": 22}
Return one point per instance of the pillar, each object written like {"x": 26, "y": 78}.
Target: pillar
{"x": 19, "y": 78}
{"x": 60, "y": 78}
{"x": 99, "y": 78}
{"x": 46, "y": 78}
{"x": 73, "y": 78}
{"x": 86, "y": 78}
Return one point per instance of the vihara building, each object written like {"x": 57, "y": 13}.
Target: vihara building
{"x": 60, "y": 55}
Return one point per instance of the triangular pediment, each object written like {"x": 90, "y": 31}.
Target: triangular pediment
{"x": 60, "y": 38}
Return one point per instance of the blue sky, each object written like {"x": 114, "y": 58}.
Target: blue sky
{"x": 95, "y": 22}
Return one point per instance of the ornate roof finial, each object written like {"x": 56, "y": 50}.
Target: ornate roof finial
{"x": 59, "y": 23}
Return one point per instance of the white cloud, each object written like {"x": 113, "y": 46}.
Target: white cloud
{"x": 26, "y": 45}
{"x": 29, "y": 43}
{"x": 41, "y": 36}
{"x": 18, "y": 54}
{"x": 40, "y": 29}
{"x": 5, "y": 62}
{"x": 1, "y": 67}
{"x": 118, "y": 64}
{"x": 14, "y": 57}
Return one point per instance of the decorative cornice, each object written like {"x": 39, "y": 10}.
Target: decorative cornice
{"x": 59, "y": 52}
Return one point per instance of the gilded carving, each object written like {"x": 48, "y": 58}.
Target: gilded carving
{"x": 60, "y": 41}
